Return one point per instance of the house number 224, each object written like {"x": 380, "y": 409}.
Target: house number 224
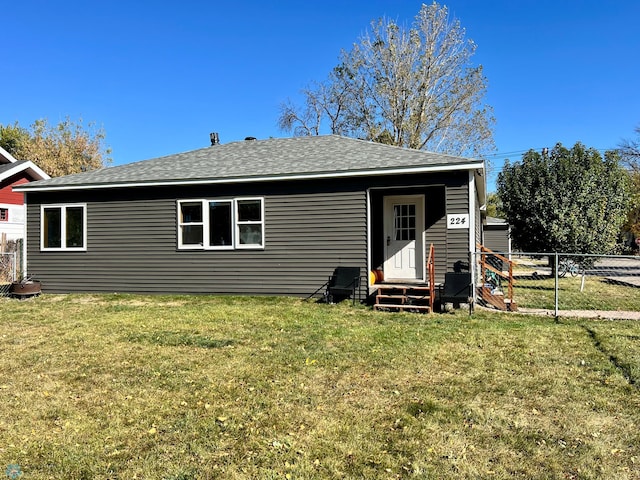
{"x": 458, "y": 220}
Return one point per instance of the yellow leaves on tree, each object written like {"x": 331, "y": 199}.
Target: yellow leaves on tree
{"x": 61, "y": 149}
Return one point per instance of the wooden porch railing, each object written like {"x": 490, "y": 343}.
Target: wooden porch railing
{"x": 508, "y": 277}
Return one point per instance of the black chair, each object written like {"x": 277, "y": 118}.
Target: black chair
{"x": 458, "y": 289}
{"x": 343, "y": 284}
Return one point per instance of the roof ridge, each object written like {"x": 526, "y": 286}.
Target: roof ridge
{"x": 322, "y": 156}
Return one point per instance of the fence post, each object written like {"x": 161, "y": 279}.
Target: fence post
{"x": 556, "y": 289}
{"x": 20, "y": 256}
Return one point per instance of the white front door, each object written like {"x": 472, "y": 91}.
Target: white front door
{"x": 404, "y": 242}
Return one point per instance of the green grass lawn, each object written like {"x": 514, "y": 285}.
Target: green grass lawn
{"x": 136, "y": 387}
{"x": 596, "y": 294}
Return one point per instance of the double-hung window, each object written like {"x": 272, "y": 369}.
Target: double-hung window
{"x": 63, "y": 227}
{"x": 221, "y": 224}
{"x": 249, "y": 224}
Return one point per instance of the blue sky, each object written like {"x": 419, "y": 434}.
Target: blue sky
{"x": 160, "y": 76}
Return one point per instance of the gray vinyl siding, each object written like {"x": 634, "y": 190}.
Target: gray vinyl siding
{"x": 458, "y": 239}
{"x": 496, "y": 238}
{"x": 436, "y": 228}
{"x": 311, "y": 227}
{"x": 131, "y": 247}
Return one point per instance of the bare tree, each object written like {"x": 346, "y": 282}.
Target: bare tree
{"x": 630, "y": 151}
{"x": 415, "y": 88}
{"x": 323, "y": 101}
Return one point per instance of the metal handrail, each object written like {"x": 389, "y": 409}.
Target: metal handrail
{"x": 431, "y": 269}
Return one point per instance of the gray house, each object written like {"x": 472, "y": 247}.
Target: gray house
{"x": 271, "y": 217}
{"x": 497, "y": 235}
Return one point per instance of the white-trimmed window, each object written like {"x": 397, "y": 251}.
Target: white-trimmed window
{"x": 249, "y": 223}
{"x": 221, "y": 224}
{"x": 4, "y": 214}
{"x": 63, "y": 227}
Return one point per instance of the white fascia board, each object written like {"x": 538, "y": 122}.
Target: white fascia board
{"x": 481, "y": 184}
{"x": 6, "y": 156}
{"x": 275, "y": 178}
{"x": 36, "y": 172}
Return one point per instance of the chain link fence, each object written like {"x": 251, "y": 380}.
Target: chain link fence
{"x": 11, "y": 255}
{"x": 558, "y": 282}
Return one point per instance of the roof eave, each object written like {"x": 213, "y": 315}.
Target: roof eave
{"x": 34, "y": 170}
{"x": 481, "y": 182}
{"x": 473, "y": 165}
{"x": 6, "y": 157}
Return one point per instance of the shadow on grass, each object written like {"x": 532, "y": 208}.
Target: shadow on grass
{"x": 534, "y": 287}
{"x": 532, "y": 276}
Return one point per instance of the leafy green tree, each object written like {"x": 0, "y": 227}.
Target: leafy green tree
{"x": 59, "y": 149}
{"x": 568, "y": 200}
{"x": 412, "y": 87}
{"x": 12, "y": 137}
{"x": 494, "y": 206}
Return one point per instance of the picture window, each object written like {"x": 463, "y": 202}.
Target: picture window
{"x": 221, "y": 224}
{"x": 63, "y": 227}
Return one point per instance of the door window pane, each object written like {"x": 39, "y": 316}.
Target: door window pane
{"x": 404, "y": 222}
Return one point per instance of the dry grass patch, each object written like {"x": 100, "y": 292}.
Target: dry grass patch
{"x": 215, "y": 387}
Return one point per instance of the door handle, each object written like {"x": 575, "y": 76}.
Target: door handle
{"x": 388, "y": 240}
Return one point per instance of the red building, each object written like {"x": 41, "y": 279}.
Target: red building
{"x": 12, "y": 211}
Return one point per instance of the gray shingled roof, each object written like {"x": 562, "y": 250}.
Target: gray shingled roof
{"x": 6, "y": 167}
{"x": 254, "y": 160}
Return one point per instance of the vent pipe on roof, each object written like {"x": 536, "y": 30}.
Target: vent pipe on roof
{"x": 215, "y": 139}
